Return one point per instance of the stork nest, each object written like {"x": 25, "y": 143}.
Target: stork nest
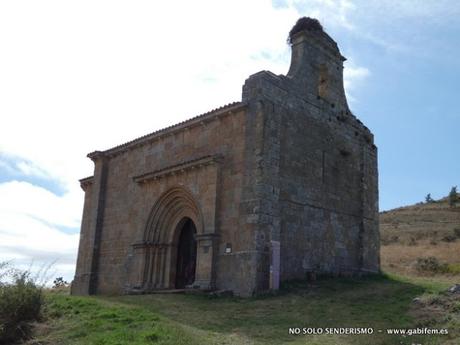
{"x": 304, "y": 23}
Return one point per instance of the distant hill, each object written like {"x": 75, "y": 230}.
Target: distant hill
{"x": 422, "y": 239}
{"x": 434, "y": 221}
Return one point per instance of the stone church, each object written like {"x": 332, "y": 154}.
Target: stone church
{"x": 278, "y": 186}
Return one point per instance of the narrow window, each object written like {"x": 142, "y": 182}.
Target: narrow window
{"x": 323, "y": 81}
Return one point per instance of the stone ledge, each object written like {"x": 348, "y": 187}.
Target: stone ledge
{"x": 178, "y": 168}
{"x": 86, "y": 182}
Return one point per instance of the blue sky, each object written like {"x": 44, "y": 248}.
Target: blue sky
{"x": 409, "y": 99}
{"x": 77, "y": 77}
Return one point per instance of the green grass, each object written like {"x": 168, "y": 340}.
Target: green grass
{"x": 379, "y": 302}
{"x": 90, "y": 320}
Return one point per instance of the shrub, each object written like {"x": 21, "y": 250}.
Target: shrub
{"x": 386, "y": 240}
{"x": 412, "y": 242}
{"x": 20, "y": 303}
{"x": 457, "y": 232}
{"x": 430, "y": 265}
{"x": 456, "y": 307}
{"x": 59, "y": 282}
{"x": 449, "y": 238}
{"x": 453, "y": 197}
{"x": 428, "y": 198}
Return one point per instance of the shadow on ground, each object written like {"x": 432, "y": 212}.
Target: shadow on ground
{"x": 379, "y": 302}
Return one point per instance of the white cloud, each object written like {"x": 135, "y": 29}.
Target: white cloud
{"x": 30, "y": 221}
{"x": 79, "y": 77}
{"x": 331, "y": 13}
{"x": 5, "y": 166}
{"x": 28, "y": 168}
{"x": 24, "y": 234}
{"x": 401, "y": 26}
{"x": 352, "y": 76}
{"x": 432, "y": 11}
{"x": 26, "y": 239}
{"x": 87, "y": 75}
{"x": 17, "y": 198}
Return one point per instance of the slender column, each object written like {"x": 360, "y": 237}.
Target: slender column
{"x": 162, "y": 267}
{"x": 168, "y": 262}
{"x": 147, "y": 268}
{"x": 153, "y": 282}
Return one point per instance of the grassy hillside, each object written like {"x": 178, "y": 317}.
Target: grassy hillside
{"x": 379, "y": 302}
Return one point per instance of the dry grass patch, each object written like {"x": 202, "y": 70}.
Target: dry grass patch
{"x": 402, "y": 259}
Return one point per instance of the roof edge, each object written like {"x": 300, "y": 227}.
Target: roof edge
{"x": 140, "y": 141}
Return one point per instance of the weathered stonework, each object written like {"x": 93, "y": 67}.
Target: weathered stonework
{"x": 277, "y": 186}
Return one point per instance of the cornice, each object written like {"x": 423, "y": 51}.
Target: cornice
{"x": 177, "y": 169}
{"x": 86, "y": 182}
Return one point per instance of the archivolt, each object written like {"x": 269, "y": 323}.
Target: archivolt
{"x": 170, "y": 208}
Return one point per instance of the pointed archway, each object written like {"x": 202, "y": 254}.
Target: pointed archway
{"x": 176, "y": 251}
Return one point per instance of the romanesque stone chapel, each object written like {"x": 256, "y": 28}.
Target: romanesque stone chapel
{"x": 275, "y": 187}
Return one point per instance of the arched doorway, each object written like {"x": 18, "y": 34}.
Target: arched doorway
{"x": 175, "y": 250}
{"x": 186, "y": 254}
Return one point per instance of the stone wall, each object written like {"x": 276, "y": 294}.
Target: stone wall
{"x": 128, "y": 203}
